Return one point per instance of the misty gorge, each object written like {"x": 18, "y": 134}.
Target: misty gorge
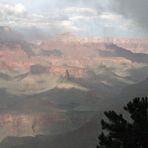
{"x": 63, "y": 63}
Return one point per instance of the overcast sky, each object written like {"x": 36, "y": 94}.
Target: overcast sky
{"x": 81, "y": 17}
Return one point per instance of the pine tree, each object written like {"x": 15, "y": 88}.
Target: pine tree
{"x": 120, "y": 133}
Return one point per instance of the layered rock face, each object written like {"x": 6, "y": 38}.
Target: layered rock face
{"x": 28, "y": 125}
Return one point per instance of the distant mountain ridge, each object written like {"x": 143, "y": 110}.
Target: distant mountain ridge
{"x": 114, "y": 50}
{"x": 12, "y": 39}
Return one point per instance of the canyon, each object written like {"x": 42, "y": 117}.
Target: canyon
{"x": 58, "y": 84}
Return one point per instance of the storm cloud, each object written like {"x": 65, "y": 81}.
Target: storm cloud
{"x": 135, "y": 10}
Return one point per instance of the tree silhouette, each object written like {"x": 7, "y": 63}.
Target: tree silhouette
{"x": 120, "y": 133}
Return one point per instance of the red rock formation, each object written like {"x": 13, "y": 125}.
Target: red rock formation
{"x": 25, "y": 124}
